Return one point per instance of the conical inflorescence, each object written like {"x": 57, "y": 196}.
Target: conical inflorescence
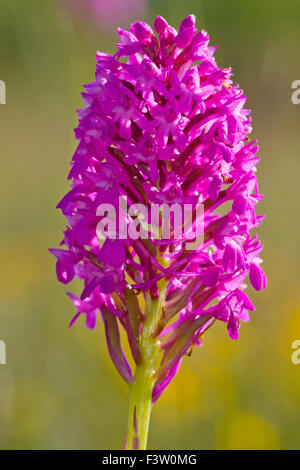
{"x": 162, "y": 125}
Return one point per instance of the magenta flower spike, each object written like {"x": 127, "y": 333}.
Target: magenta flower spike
{"x": 163, "y": 145}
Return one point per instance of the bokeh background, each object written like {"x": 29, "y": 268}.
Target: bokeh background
{"x": 58, "y": 389}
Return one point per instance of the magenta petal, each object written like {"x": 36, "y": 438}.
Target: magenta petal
{"x": 226, "y": 152}
{"x": 210, "y": 276}
{"x": 188, "y": 23}
{"x": 160, "y": 25}
{"x": 229, "y": 258}
{"x": 64, "y": 256}
{"x": 184, "y": 37}
{"x": 232, "y": 327}
{"x": 106, "y": 285}
{"x": 214, "y": 187}
{"x": 112, "y": 253}
{"x": 257, "y": 277}
{"x": 239, "y": 205}
{"x": 82, "y": 232}
{"x": 89, "y": 288}
{"x": 74, "y": 319}
{"x": 246, "y": 301}
{"x": 65, "y": 273}
{"x": 91, "y": 318}
{"x": 142, "y": 30}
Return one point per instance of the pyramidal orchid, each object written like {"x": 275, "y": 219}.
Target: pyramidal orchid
{"x": 162, "y": 206}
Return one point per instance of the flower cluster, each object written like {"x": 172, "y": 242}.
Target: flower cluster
{"x": 167, "y": 125}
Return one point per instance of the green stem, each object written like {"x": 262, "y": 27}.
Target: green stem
{"x": 141, "y": 389}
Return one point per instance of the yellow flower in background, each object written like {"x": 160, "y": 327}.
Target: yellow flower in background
{"x": 22, "y": 270}
{"x": 246, "y": 431}
{"x": 184, "y": 394}
{"x": 203, "y": 380}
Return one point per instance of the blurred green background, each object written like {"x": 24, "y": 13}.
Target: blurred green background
{"x": 58, "y": 389}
